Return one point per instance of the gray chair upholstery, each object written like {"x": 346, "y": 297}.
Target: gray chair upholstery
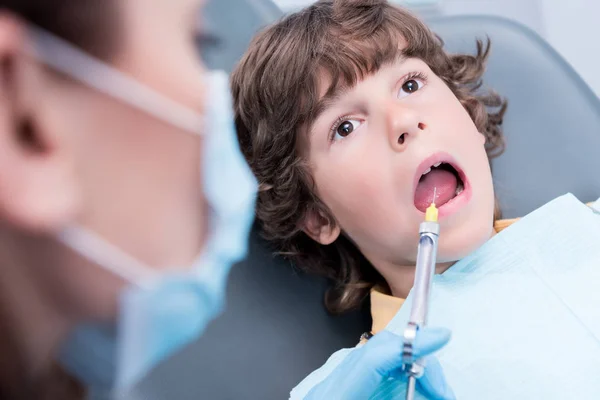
{"x": 275, "y": 330}
{"x": 234, "y": 23}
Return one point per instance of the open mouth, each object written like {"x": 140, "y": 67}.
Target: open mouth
{"x": 441, "y": 180}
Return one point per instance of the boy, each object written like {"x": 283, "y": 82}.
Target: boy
{"x": 352, "y": 116}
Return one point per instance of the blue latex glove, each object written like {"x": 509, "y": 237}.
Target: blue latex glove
{"x": 361, "y": 373}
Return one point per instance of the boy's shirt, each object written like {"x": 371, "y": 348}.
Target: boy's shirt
{"x": 385, "y": 309}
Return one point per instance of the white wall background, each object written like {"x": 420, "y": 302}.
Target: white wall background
{"x": 571, "y": 26}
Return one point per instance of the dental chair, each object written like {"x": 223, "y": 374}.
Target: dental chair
{"x": 274, "y": 330}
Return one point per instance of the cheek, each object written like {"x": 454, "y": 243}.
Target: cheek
{"x": 473, "y": 234}
{"x": 345, "y": 185}
{"x": 348, "y": 178}
{"x": 449, "y": 110}
{"x": 363, "y": 194}
{"x": 78, "y": 288}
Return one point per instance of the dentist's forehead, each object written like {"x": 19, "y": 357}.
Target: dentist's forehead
{"x": 185, "y": 10}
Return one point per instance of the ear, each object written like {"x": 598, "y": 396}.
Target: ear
{"x": 37, "y": 190}
{"x": 483, "y": 138}
{"x": 320, "y": 227}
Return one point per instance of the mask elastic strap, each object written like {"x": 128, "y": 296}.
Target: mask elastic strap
{"x": 106, "y": 255}
{"x": 66, "y": 58}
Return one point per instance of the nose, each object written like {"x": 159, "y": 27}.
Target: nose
{"x": 403, "y": 125}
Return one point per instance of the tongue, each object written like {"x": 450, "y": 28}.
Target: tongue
{"x": 444, "y": 182}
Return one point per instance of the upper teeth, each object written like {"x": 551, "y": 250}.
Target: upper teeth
{"x": 428, "y": 170}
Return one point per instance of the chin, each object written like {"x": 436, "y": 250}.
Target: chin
{"x": 455, "y": 246}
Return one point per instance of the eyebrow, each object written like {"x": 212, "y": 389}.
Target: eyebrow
{"x": 326, "y": 102}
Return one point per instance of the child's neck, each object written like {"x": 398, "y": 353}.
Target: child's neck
{"x": 400, "y": 279}
{"x": 403, "y": 278}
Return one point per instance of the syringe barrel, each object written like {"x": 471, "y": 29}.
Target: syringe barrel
{"x": 424, "y": 271}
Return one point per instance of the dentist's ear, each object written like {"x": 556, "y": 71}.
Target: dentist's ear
{"x": 320, "y": 226}
{"x": 37, "y": 189}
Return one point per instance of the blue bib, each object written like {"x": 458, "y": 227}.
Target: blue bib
{"x": 524, "y": 310}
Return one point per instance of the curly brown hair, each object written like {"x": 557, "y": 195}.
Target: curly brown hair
{"x": 276, "y": 95}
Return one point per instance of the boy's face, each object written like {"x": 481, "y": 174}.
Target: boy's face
{"x": 368, "y": 151}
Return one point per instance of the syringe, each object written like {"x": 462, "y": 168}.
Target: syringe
{"x": 429, "y": 231}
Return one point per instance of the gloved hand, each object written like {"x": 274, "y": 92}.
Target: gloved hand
{"x": 361, "y": 373}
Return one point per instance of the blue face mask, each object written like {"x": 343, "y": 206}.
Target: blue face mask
{"x": 159, "y": 313}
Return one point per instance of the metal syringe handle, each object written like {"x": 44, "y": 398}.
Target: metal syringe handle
{"x": 424, "y": 272}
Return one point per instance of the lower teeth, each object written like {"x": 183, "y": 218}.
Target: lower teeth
{"x": 459, "y": 188}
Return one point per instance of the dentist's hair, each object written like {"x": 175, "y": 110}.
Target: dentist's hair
{"x": 91, "y": 25}
{"x": 276, "y": 94}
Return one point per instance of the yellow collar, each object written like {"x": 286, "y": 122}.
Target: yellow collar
{"x": 383, "y": 309}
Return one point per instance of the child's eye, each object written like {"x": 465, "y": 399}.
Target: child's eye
{"x": 345, "y": 128}
{"x": 411, "y": 85}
